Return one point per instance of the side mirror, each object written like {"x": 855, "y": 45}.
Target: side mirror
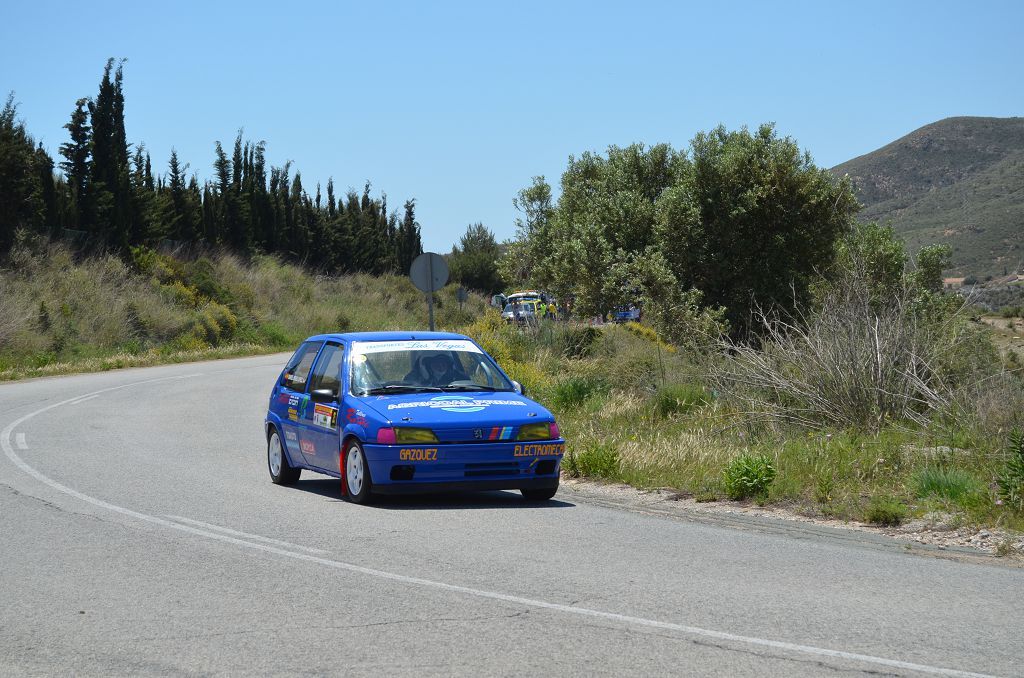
{"x": 323, "y": 395}
{"x": 520, "y": 389}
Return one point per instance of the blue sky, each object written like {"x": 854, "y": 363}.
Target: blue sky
{"x": 459, "y": 104}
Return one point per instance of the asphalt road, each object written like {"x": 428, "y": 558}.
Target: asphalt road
{"x": 140, "y": 535}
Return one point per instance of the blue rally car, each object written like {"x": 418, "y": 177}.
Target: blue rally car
{"x": 396, "y": 412}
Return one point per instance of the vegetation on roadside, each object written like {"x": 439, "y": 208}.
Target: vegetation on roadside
{"x": 60, "y": 313}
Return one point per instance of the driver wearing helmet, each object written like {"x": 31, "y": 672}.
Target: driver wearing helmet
{"x": 434, "y": 370}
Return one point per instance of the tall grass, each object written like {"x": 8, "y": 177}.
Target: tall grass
{"x": 59, "y": 313}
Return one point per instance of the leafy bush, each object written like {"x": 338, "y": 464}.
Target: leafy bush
{"x": 748, "y": 475}
{"x": 886, "y": 511}
{"x": 1011, "y": 478}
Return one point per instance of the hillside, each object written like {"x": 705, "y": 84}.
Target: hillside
{"x": 958, "y": 181}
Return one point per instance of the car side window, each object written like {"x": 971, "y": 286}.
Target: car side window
{"x": 327, "y": 372}
{"x": 297, "y": 372}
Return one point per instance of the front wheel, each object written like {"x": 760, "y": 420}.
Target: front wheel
{"x": 281, "y": 472}
{"x": 357, "y": 474}
{"x": 539, "y": 493}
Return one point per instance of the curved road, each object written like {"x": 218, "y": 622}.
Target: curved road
{"x": 140, "y": 535}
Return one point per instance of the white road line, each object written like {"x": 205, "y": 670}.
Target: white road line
{"x": 83, "y": 399}
{"x": 22, "y": 444}
{"x": 5, "y": 443}
{"x": 246, "y": 535}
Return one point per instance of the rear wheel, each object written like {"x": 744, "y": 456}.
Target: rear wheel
{"x": 281, "y": 472}
{"x": 539, "y": 493}
{"x": 357, "y": 474}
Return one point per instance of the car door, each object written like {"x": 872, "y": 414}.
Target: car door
{"x": 319, "y": 439}
{"x": 292, "y": 399}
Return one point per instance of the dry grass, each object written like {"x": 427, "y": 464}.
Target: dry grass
{"x": 60, "y": 315}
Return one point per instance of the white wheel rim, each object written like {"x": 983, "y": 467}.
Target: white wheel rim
{"x": 354, "y": 470}
{"x": 275, "y": 455}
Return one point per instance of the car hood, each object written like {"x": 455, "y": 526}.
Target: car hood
{"x": 457, "y": 410}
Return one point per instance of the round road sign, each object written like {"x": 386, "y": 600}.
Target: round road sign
{"x": 429, "y": 272}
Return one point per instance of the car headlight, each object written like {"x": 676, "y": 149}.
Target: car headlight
{"x": 412, "y": 436}
{"x": 540, "y": 431}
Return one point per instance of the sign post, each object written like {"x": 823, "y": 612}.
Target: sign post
{"x": 429, "y": 273}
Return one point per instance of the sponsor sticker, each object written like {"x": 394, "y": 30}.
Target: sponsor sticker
{"x": 293, "y": 414}
{"x": 354, "y": 416}
{"x": 325, "y": 416}
{"x": 454, "y": 403}
{"x": 418, "y": 454}
{"x": 363, "y": 347}
{"x": 307, "y": 447}
{"x": 290, "y": 435}
{"x": 539, "y": 450}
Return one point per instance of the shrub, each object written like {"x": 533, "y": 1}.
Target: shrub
{"x": 275, "y": 335}
{"x": 679, "y": 399}
{"x": 859, "y": 360}
{"x": 574, "y": 391}
{"x": 748, "y": 475}
{"x": 595, "y": 460}
{"x": 886, "y": 511}
{"x": 1011, "y": 478}
{"x": 575, "y": 341}
{"x": 946, "y": 483}
{"x": 203, "y": 277}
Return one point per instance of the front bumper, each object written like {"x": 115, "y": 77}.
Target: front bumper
{"x": 486, "y": 466}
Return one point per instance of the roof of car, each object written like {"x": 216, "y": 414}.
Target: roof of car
{"x": 386, "y": 336}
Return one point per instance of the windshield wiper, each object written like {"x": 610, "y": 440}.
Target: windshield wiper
{"x": 400, "y": 388}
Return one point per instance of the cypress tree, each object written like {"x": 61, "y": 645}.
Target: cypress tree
{"x": 331, "y": 211}
{"x": 77, "y": 161}
{"x": 20, "y": 199}
{"x": 102, "y": 174}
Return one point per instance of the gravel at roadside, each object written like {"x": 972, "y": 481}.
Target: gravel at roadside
{"x": 938, "y": 530}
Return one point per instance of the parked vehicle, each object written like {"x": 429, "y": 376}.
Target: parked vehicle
{"x": 625, "y": 314}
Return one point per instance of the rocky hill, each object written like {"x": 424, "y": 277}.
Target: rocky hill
{"x": 958, "y": 181}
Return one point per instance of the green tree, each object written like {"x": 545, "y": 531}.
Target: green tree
{"x": 474, "y": 261}
{"x": 21, "y": 199}
{"x": 408, "y": 245}
{"x": 77, "y": 160}
{"x": 931, "y": 260}
{"x": 753, "y": 222}
{"x": 527, "y": 251}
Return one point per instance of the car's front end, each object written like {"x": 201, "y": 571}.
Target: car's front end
{"x": 440, "y": 414}
{"x": 469, "y": 441}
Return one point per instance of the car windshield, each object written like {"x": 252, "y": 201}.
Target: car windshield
{"x": 521, "y": 308}
{"x": 393, "y": 367}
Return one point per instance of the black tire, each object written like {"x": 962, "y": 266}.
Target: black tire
{"x": 539, "y": 493}
{"x": 286, "y": 474}
{"x": 358, "y": 485}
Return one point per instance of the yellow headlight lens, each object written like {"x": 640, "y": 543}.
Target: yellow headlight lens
{"x": 405, "y": 436}
{"x": 540, "y": 431}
